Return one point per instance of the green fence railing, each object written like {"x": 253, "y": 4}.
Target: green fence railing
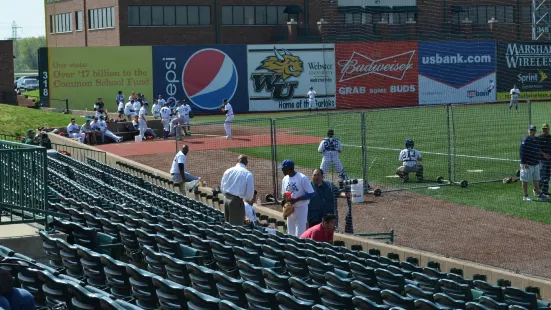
{"x": 23, "y": 182}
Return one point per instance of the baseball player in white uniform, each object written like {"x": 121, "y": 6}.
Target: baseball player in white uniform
{"x": 311, "y": 95}
{"x": 229, "y": 117}
{"x": 491, "y": 86}
{"x": 330, "y": 148}
{"x": 299, "y": 188}
{"x": 120, "y": 97}
{"x": 73, "y": 131}
{"x": 102, "y": 125}
{"x": 129, "y": 110}
{"x": 515, "y": 92}
{"x": 156, "y": 109}
{"x": 410, "y": 158}
{"x": 161, "y": 101}
{"x": 166, "y": 114}
{"x": 183, "y": 119}
{"x": 137, "y": 105}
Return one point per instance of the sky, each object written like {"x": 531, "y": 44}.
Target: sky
{"x": 28, "y": 14}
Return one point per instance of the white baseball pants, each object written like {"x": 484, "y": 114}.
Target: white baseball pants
{"x": 143, "y": 127}
{"x": 111, "y": 135}
{"x": 227, "y": 125}
{"x": 332, "y": 158}
{"x": 166, "y": 124}
{"x": 297, "y": 222}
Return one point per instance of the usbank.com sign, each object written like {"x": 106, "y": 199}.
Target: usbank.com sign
{"x": 458, "y": 58}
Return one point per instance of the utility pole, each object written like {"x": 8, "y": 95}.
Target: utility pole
{"x": 14, "y": 36}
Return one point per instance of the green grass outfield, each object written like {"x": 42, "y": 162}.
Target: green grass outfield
{"x": 16, "y": 120}
{"x": 486, "y": 144}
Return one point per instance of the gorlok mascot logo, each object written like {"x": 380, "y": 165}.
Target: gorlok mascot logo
{"x": 280, "y": 67}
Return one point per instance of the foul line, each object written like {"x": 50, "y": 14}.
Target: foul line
{"x": 434, "y": 153}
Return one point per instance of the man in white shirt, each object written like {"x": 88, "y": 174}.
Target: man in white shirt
{"x": 177, "y": 169}
{"x": 296, "y": 189}
{"x": 129, "y": 110}
{"x": 87, "y": 130}
{"x": 252, "y": 219}
{"x": 142, "y": 123}
{"x": 515, "y": 92}
{"x": 120, "y": 109}
{"x": 73, "y": 131}
{"x": 166, "y": 114}
{"x": 102, "y": 125}
{"x": 491, "y": 86}
{"x": 237, "y": 185}
{"x": 311, "y": 95}
{"x": 99, "y": 107}
{"x": 137, "y": 105}
{"x": 228, "y": 109}
{"x": 411, "y": 162}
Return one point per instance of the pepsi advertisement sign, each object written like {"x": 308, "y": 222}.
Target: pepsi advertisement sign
{"x": 202, "y": 75}
{"x": 457, "y": 72}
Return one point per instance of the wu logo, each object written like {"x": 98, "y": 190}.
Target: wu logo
{"x": 292, "y": 187}
{"x": 282, "y": 66}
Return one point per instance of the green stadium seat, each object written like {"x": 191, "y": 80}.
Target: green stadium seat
{"x": 259, "y": 298}
{"x": 202, "y": 279}
{"x": 200, "y": 301}
{"x": 289, "y": 302}
{"x": 92, "y": 267}
{"x": 296, "y": 265}
{"x": 417, "y": 293}
{"x": 363, "y": 273}
{"x": 423, "y": 304}
{"x": 456, "y": 290}
{"x": 445, "y": 301}
{"x": 392, "y": 299}
{"x": 488, "y": 290}
{"x": 333, "y": 299}
{"x": 426, "y": 283}
{"x": 143, "y": 290}
{"x": 230, "y": 289}
{"x": 338, "y": 283}
{"x": 305, "y": 291}
{"x": 362, "y": 303}
{"x": 171, "y": 295}
{"x": 275, "y": 281}
{"x": 317, "y": 270}
{"x": 116, "y": 277}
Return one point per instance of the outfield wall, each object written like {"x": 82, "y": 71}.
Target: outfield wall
{"x": 278, "y": 77}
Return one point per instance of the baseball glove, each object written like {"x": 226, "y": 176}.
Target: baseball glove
{"x": 288, "y": 209}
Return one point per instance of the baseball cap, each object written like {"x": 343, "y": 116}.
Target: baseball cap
{"x": 287, "y": 163}
{"x": 30, "y": 131}
{"x": 532, "y": 127}
{"x": 545, "y": 126}
{"x": 88, "y": 120}
{"x": 101, "y": 117}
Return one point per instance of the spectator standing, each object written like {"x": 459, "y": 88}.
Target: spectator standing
{"x": 73, "y": 131}
{"x": 89, "y": 132}
{"x": 99, "y": 107}
{"x": 143, "y": 123}
{"x": 545, "y": 159}
{"x": 299, "y": 188}
{"x": 325, "y": 200}
{"x": 237, "y": 185}
{"x": 322, "y": 232}
{"x": 119, "y": 98}
{"x": 129, "y": 110}
{"x": 529, "y": 164}
{"x": 132, "y": 96}
{"x": 137, "y": 105}
{"x": 177, "y": 170}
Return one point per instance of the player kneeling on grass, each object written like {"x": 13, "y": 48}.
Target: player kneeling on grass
{"x": 410, "y": 159}
{"x": 529, "y": 164}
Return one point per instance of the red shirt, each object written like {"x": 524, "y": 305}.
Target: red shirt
{"x": 317, "y": 233}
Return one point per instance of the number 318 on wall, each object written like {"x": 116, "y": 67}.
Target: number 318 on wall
{"x": 45, "y": 82}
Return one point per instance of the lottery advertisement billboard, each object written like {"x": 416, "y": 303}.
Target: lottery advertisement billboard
{"x": 527, "y": 65}
{"x": 82, "y": 74}
{"x": 202, "y": 75}
{"x": 457, "y": 72}
{"x": 280, "y": 76}
{"x": 377, "y": 74}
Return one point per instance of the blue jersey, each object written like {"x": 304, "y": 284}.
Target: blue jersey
{"x": 529, "y": 151}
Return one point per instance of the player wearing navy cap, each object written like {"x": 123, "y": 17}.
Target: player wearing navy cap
{"x": 296, "y": 189}
{"x": 410, "y": 158}
{"x": 330, "y": 147}
{"x": 529, "y": 164}
{"x": 228, "y": 109}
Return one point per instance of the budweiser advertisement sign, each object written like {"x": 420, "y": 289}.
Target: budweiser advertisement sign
{"x": 377, "y": 74}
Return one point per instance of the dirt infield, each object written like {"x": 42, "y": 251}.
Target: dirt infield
{"x": 420, "y": 222}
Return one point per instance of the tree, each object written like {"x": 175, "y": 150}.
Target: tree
{"x": 26, "y": 53}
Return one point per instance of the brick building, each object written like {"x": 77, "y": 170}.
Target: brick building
{"x": 7, "y": 93}
{"x": 177, "y": 22}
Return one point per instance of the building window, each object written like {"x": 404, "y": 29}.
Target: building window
{"x": 483, "y": 13}
{"x": 526, "y": 15}
{"x": 169, "y": 15}
{"x": 254, "y": 15}
{"x": 101, "y": 18}
{"x": 61, "y": 23}
{"x": 52, "y": 23}
{"x": 78, "y": 21}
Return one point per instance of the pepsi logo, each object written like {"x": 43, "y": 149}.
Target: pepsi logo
{"x": 209, "y": 76}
